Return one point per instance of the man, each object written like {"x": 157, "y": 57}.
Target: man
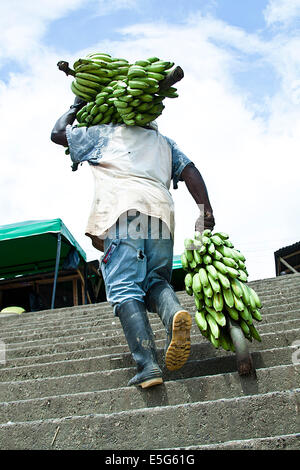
{"x": 132, "y": 221}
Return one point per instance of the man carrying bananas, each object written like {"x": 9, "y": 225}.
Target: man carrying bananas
{"x": 132, "y": 222}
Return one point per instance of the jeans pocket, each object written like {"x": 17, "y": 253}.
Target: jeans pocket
{"x": 109, "y": 255}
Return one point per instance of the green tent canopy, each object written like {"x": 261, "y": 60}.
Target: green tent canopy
{"x": 36, "y": 246}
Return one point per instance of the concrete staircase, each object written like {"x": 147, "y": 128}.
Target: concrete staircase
{"x": 64, "y": 376}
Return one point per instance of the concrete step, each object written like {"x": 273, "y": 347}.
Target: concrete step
{"x": 92, "y": 324}
{"x": 83, "y": 375}
{"x": 109, "y": 329}
{"x": 168, "y": 426}
{"x": 97, "y": 362}
{"x": 116, "y": 337}
{"x": 63, "y": 383}
{"x": 172, "y": 392}
{"x": 201, "y": 348}
{"x": 281, "y": 287}
{"x": 283, "y": 442}
{"x": 82, "y": 348}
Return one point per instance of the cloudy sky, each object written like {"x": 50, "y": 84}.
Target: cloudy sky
{"x": 237, "y": 116}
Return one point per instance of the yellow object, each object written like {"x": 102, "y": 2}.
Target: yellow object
{"x": 13, "y": 309}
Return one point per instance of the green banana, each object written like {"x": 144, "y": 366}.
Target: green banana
{"x": 188, "y": 280}
{"x": 203, "y": 277}
{"x": 146, "y": 97}
{"x": 189, "y": 255}
{"x": 228, "y": 297}
{"x": 184, "y": 261}
{"x": 218, "y": 301}
{"x": 246, "y": 294}
{"x": 211, "y": 249}
{"x": 220, "y": 267}
{"x": 207, "y": 259}
{"x": 84, "y": 88}
{"x": 223, "y": 280}
{"x": 136, "y": 71}
{"x": 238, "y": 303}
{"x": 224, "y": 250}
{"x": 256, "y": 298}
{"x": 94, "y": 110}
{"x": 207, "y": 232}
{"x": 189, "y": 291}
{"x": 236, "y": 287}
{"x": 215, "y": 285}
{"x": 254, "y": 333}
{"x": 205, "y": 240}
{"x": 142, "y": 63}
{"x": 256, "y": 315}
{"x": 134, "y": 91}
{"x": 196, "y": 283}
{"x": 208, "y": 292}
{"x": 212, "y": 271}
{"x": 198, "y": 302}
{"x": 153, "y": 59}
{"x": 197, "y": 257}
{"x": 216, "y": 240}
{"x": 140, "y": 84}
{"x": 207, "y": 300}
{"x": 217, "y": 255}
{"x": 214, "y": 328}
{"x": 233, "y": 313}
{"x": 230, "y": 262}
{"x": 245, "y": 328}
{"x": 242, "y": 275}
{"x": 157, "y": 76}
{"x": 97, "y": 119}
{"x": 238, "y": 255}
{"x": 232, "y": 272}
{"x": 81, "y": 94}
{"x": 127, "y": 98}
{"x": 201, "y": 320}
{"x": 89, "y": 84}
{"x": 224, "y": 340}
{"x": 246, "y": 315}
{"x": 100, "y": 100}
{"x": 222, "y": 235}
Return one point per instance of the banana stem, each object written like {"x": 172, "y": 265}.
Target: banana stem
{"x": 172, "y": 77}
{"x": 244, "y": 360}
{"x": 64, "y": 66}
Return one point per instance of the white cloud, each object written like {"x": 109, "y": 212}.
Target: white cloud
{"x": 246, "y": 161}
{"x": 282, "y": 12}
{"x": 23, "y": 23}
{"x": 104, "y": 7}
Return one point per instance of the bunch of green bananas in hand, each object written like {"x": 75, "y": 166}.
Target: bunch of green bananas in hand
{"x": 132, "y": 91}
{"x": 217, "y": 278}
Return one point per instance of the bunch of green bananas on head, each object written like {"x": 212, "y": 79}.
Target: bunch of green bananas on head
{"x": 217, "y": 278}
{"x": 119, "y": 92}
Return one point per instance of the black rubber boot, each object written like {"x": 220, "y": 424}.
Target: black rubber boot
{"x": 161, "y": 299}
{"x": 135, "y": 323}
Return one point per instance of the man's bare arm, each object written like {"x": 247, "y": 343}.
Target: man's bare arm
{"x": 58, "y": 134}
{"x": 197, "y": 188}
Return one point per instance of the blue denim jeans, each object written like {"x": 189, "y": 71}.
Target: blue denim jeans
{"x": 134, "y": 261}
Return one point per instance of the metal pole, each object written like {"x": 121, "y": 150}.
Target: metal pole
{"x": 56, "y": 269}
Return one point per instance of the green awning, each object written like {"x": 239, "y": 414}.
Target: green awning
{"x": 30, "y": 247}
{"x": 177, "y": 262}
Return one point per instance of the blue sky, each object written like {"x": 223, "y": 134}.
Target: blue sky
{"x": 237, "y": 116}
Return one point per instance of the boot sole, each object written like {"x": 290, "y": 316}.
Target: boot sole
{"x": 180, "y": 345}
{"x": 151, "y": 382}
